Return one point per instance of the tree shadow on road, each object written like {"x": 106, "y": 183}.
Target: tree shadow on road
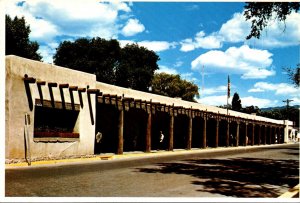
{"x": 237, "y": 177}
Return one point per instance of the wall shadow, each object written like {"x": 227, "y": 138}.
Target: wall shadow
{"x": 236, "y": 177}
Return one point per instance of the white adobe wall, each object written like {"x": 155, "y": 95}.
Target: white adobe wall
{"x": 16, "y": 106}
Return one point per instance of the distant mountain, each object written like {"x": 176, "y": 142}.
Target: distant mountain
{"x": 278, "y": 107}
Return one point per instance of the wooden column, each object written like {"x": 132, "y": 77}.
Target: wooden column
{"x": 227, "y": 133}
{"x": 253, "y": 131}
{"x": 270, "y": 138}
{"x": 265, "y": 135}
{"x": 190, "y": 132}
{"x": 217, "y": 132}
{"x": 259, "y": 134}
{"x": 149, "y": 132}
{"x": 120, "y": 131}
{"x": 246, "y": 134}
{"x": 171, "y": 133}
{"x": 237, "y": 133}
{"x": 204, "y": 131}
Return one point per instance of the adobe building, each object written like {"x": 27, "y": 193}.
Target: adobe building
{"x": 56, "y": 112}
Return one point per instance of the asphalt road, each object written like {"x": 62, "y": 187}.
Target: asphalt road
{"x": 259, "y": 172}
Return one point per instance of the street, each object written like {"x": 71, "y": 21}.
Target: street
{"x": 267, "y": 171}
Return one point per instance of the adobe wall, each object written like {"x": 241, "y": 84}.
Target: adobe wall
{"x": 17, "y": 105}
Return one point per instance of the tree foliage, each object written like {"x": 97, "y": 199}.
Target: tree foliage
{"x": 294, "y": 74}
{"x": 261, "y": 13}
{"x": 173, "y": 86}
{"x": 131, "y": 66}
{"x": 136, "y": 67}
{"x": 97, "y": 56}
{"x": 17, "y": 39}
{"x": 236, "y": 102}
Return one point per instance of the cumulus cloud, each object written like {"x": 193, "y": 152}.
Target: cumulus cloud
{"x": 261, "y": 103}
{"x": 201, "y": 41}
{"x": 277, "y": 88}
{"x": 132, "y": 27}
{"x": 246, "y": 101}
{"x": 156, "y": 46}
{"x": 236, "y": 29}
{"x": 51, "y": 20}
{"x": 251, "y": 63}
{"x": 165, "y": 69}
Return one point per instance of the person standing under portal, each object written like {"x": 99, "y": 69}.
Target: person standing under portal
{"x": 161, "y": 139}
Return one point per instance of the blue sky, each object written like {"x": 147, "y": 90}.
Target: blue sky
{"x": 187, "y": 36}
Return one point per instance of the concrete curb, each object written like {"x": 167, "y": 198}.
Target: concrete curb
{"x": 292, "y": 193}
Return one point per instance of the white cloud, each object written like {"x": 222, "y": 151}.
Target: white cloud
{"x": 132, "y": 27}
{"x": 201, "y": 41}
{"x": 235, "y": 29}
{"x": 214, "y": 90}
{"x": 278, "y": 88}
{"x": 261, "y": 103}
{"x": 251, "y": 63}
{"x": 214, "y": 100}
{"x": 156, "y": 46}
{"x": 49, "y": 19}
{"x": 280, "y": 34}
{"x": 246, "y": 101}
{"x": 165, "y": 69}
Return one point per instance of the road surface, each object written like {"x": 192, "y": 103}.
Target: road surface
{"x": 267, "y": 171}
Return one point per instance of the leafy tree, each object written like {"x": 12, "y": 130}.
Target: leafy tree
{"x": 136, "y": 67}
{"x": 97, "y": 56}
{"x": 17, "y": 39}
{"x": 173, "y": 86}
{"x": 294, "y": 74}
{"x": 261, "y": 13}
{"x": 236, "y": 102}
{"x": 251, "y": 109}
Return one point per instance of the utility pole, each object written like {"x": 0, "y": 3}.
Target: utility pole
{"x": 287, "y": 107}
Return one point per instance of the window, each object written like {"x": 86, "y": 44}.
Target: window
{"x": 54, "y": 122}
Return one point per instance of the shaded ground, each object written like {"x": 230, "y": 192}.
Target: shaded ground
{"x": 237, "y": 177}
{"x": 264, "y": 172}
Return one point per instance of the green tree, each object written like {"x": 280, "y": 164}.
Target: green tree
{"x": 294, "y": 74}
{"x": 173, "y": 86}
{"x": 236, "y": 102}
{"x": 251, "y": 109}
{"x": 261, "y": 13}
{"x": 136, "y": 67}
{"x": 97, "y": 56}
{"x": 17, "y": 39}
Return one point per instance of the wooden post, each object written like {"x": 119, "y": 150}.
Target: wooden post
{"x": 148, "y": 132}
{"x": 252, "y": 138}
{"x": 227, "y": 133}
{"x": 171, "y": 132}
{"x": 237, "y": 133}
{"x": 270, "y": 138}
{"x": 259, "y": 135}
{"x": 204, "y": 131}
{"x": 121, "y": 131}
{"x": 217, "y": 132}
{"x": 265, "y": 135}
{"x": 190, "y": 132}
{"x": 246, "y": 134}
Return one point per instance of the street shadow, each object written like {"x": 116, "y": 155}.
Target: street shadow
{"x": 237, "y": 177}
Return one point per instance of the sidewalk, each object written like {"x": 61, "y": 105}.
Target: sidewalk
{"x": 135, "y": 154}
